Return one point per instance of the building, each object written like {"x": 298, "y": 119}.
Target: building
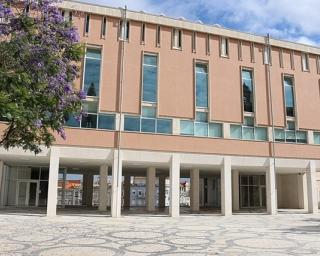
{"x": 170, "y": 99}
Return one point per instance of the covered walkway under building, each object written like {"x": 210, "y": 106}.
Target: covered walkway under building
{"x": 106, "y": 182}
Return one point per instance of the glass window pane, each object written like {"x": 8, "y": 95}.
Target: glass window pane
{"x": 290, "y": 136}
{"x": 289, "y": 96}
{"x": 202, "y": 117}
{"x": 249, "y": 121}
{"x": 201, "y": 129}
{"x": 186, "y": 127}
{"x": 90, "y": 106}
{"x": 235, "y": 131}
{"x": 215, "y": 130}
{"x": 164, "y": 126}
{"x": 149, "y": 112}
{"x": 132, "y": 123}
{"x": 89, "y": 121}
{"x": 201, "y": 85}
{"x": 72, "y": 121}
{"x": 93, "y": 53}
{"x": 92, "y": 73}
{"x": 279, "y": 135}
{"x": 106, "y": 121}
{"x": 247, "y": 87}
{"x": 248, "y": 133}
{"x": 291, "y": 125}
{"x": 261, "y": 133}
{"x": 149, "y": 84}
{"x": 148, "y": 125}
{"x": 244, "y": 180}
{"x": 301, "y": 136}
{"x": 316, "y": 137}
{"x": 150, "y": 60}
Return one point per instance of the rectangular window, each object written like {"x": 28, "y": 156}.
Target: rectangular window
{"x": 124, "y": 30}
{"x": 240, "y": 50}
{"x": 202, "y": 85}
{"x": 103, "y": 27}
{"x": 201, "y": 129}
{"x": 224, "y": 47}
{"x": 235, "y": 131}
{"x": 148, "y": 125}
{"x": 106, "y": 121}
{"x": 202, "y": 117}
{"x": 292, "y": 59}
{"x": 149, "y": 112}
{"x": 261, "y": 133}
{"x": 158, "y": 36}
{"x": 316, "y": 137}
{"x": 305, "y": 61}
{"x": 132, "y": 123}
{"x": 215, "y": 130}
{"x": 87, "y": 24}
{"x": 143, "y": 33}
{"x": 150, "y": 78}
{"x": 208, "y": 45}
{"x": 176, "y": 38}
{"x": 164, "y": 126}
{"x": 92, "y": 72}
{"x": 193, "y": 42}
{"x": 289, "y": 96}
{"x": 281, "y": 58}
{"x": 67, "y": 15}
{"x": 186, "y": 127}
{"x": 247, "y": 90}
{"x": 318, "y": 64}
{"x": 267, "y": 55}
{"x": 252, "y": 55}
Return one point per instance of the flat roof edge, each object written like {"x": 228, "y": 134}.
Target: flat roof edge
{"x": 184, "y": 24}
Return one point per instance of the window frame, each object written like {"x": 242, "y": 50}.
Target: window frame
{"x": 144, "y": 102}
{"x": 124, "y": 30}
{"x": 305, "y": 65}
{"x": 197, "y": 108}
{"x": 158, "y": 36}
{"x": 289, "y": 118}
{"x": 246, "y": 113}
{"x": 176, "y": 32}
{"x": 104, "y": 24}
{"x": 87, "y": 24}
{"x": 89, "y": 46}
{"x": 224, "y": 41}
{"x": 143, "y": 33}
{"x": 194, "y": 41}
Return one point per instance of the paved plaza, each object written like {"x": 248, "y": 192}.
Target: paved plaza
{"x": 135, "y": 235}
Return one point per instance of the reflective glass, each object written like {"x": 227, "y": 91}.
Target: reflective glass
{"x": 149, "y": 112}
{"x": 248, "y": 133}
{"x": 72, "y": 122}
{"x": 235, "y": 131}
{"x": 90, "y": 106}
{"x": 201, "y": 86}
{"x": 301, "y": 136}
{"x": 149, "y": 80}
{"x": 132, "y": 123}
{"x": 249, "y": 121}
{"x": 261, "y": 133}
{"x": 89, "y": 121}
{"x": 215, "y": 130}
{"x": 164, "y": 126}
{"x": 279, "y": 134}
{"x": 150, "y": 60}
{"x": 289, "y": 95}
{"x": 290, "y": 136}
{"x": 202, "y": 117}
{"x": 316, "y": 137}
{"x": 201, "y": 129}
{"x": 186, "y": 127}
{"x": 247, "y": 87}
{"x": 92, "y": 72}
{"x": 106, "y": 122}
{"x": 148, "y": 125}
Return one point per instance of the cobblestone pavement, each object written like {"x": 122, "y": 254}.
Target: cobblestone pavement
{"x": 250, "y": 234}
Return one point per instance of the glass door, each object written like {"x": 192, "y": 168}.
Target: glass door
{"x": 27, "y": 193}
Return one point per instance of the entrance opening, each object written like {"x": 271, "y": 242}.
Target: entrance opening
{"x": 252, "y": 191}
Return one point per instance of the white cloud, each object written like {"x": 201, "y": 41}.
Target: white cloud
{"x": 287, "y": 19}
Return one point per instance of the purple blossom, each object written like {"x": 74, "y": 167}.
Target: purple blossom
{"x": 82, "y": 95}
{"x": 62, "y": 133}
{"x": 38, "y": 123}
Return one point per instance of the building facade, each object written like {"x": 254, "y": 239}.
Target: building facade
{"x": 170, "y": 99}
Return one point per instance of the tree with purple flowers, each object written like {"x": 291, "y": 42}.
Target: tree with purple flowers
{"x": 39, "y": 56}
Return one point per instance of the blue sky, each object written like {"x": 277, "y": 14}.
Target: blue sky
{"x": 291, "y": 20}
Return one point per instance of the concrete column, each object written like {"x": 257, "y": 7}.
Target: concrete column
{"x": 116, "y": 199}
{"x": 302, "y": 191}
{"x": 87, "y": 189}
{"x": 151, "y": 189}
{"x": 103, "y": 188}
{"x": 2, "y": 183}
{"x": 235, "y": 190}
{"x": 195, "y": 190}
{"x": 126, "y": 190}
{"x": 162, "y": 191}
{"x": 312, "y": 188}
{"x": 53, "y": 182}
{"x": 226, "y": 187}
{"x": 63, "y": 194}
{"x": 174, "y": 208}
{"x": 271, "y": 188}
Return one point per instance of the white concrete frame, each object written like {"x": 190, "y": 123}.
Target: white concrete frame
{"x": 228, "y": 165}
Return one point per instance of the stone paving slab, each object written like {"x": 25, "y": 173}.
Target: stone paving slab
{"x": 246, "y": 234}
